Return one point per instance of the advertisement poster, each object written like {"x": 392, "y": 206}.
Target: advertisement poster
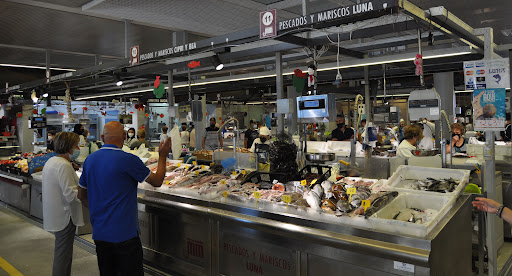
{"x": 489, "y": 109}
{"x": 483, "y": 74}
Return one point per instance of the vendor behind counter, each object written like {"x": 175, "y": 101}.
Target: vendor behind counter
{"x": 458, "y": 143}
{"x": 412, "y": 136}
{"x": 212, "y": 139}
{"x": 342, "y": 132}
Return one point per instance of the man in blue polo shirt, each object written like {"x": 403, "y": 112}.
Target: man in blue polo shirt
{"x": 108, "y": 186}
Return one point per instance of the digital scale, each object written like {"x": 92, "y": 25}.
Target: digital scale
{"x": 424, "y": 104}
{"x": 386, "y": 115}
{"x": 36, "y": 122}
{"x": 316, "y": 108}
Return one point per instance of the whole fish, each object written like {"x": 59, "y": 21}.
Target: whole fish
{"x": 381, "y": 201}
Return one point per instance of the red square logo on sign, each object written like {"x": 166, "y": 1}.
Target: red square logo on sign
{"x": 134, "y": 55}
{"x": 268, "y": 24}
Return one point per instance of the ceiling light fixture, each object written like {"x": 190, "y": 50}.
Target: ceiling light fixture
{"x": 35, "y": 67}
{"x": 118, "y": 80}
{"x": 217, "y": 63}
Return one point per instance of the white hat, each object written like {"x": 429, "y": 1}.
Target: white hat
{"x": 264, "y": 131}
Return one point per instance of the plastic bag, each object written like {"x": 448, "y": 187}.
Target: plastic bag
{"x": 176, "y": 142}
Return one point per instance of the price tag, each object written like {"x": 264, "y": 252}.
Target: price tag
{"x": 223, "y": 182}
{"x": 243, "y": 172}
{"x": 313, "y": 182}
{"x": 211, "y": 164}
{"x": 197, "y": 172}
{"x": 287, "y": 199}
{"x": 351, "y": 191}
{"x": 167, "y": 182}
{"x": 234, "y": 173}
{"x": 194, "y": 163}
{"x": 203, "y": 167}
{"x": 304, "y": 182}
{"x": 257, "y": 194}
{"x": 225, "y": 194}
{"x": 179, "y": 165}
{"x": 366, "y": 204}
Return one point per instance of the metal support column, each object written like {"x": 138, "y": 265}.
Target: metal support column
{"x": 170, "y": 97}
{"x": 97, "y": 61}
{"x": 126, "y": 40}
{"x": 367, "y": 98}
{"x": 443, "y": 83}
{"x": 305, "y": 7}
{"x": 292, "y": 120}
{"x": 48, "y": 65}
{"x": 490, "y": 168}
{"x": 279, "y": 89}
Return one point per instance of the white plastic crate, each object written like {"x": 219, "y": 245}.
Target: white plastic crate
{"x": 383, "y": 219}
{"x": 396, "y": 181}
{"x": 502, "y": 150}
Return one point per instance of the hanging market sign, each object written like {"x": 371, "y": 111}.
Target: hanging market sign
{"x": 134, "y": 55}
{"x": 168, "y": 51}
{"x": 336, "y": 14}
{"x": 489, "y": 109}
{"x": 157, "y": 100}
{"x": 482, "y": 74}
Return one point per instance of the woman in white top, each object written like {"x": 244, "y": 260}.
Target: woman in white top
{"x": 185, "y": 135}
{"x": 62, "y": 210}
{"x": 412, "y": 136}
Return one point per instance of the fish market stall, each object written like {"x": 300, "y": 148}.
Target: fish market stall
{"x": 209, "y": 221}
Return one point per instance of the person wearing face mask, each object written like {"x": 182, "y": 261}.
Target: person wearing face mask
{"x": 79, "y": 129}
{"x": 51, "y": 136}
{"x": 342, "y": 132}
{"x": 130, "y": 137}
{"x": 412, "y": 136}
{"x": 251, "y": 134}
{"x": 261, "y": 147}
{"x": 263, "y": 139}
{"x": 458, "y": 144}
{"x": 212, "y": 139}
{"x": 62, "y": 210}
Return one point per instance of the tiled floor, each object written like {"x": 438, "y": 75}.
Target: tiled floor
{"x": 29, "y": 249}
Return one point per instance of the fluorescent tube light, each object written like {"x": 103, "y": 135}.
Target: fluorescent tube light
{"x": 35, "y": 67}
{"x": 111, "y": 94}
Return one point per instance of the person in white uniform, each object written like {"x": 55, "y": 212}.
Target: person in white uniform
{"x": 62, "y": 210}
{"x": 412, "y": 136}
{"x": 185, "y": 135}
{"x": 164, "y": 136}
{"x": 428, "y": 134}
{"x": 263, "y": 139}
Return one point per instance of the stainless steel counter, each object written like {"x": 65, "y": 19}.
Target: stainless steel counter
{"x": 197, "y": 237}
{"x": 15, "y": 191}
